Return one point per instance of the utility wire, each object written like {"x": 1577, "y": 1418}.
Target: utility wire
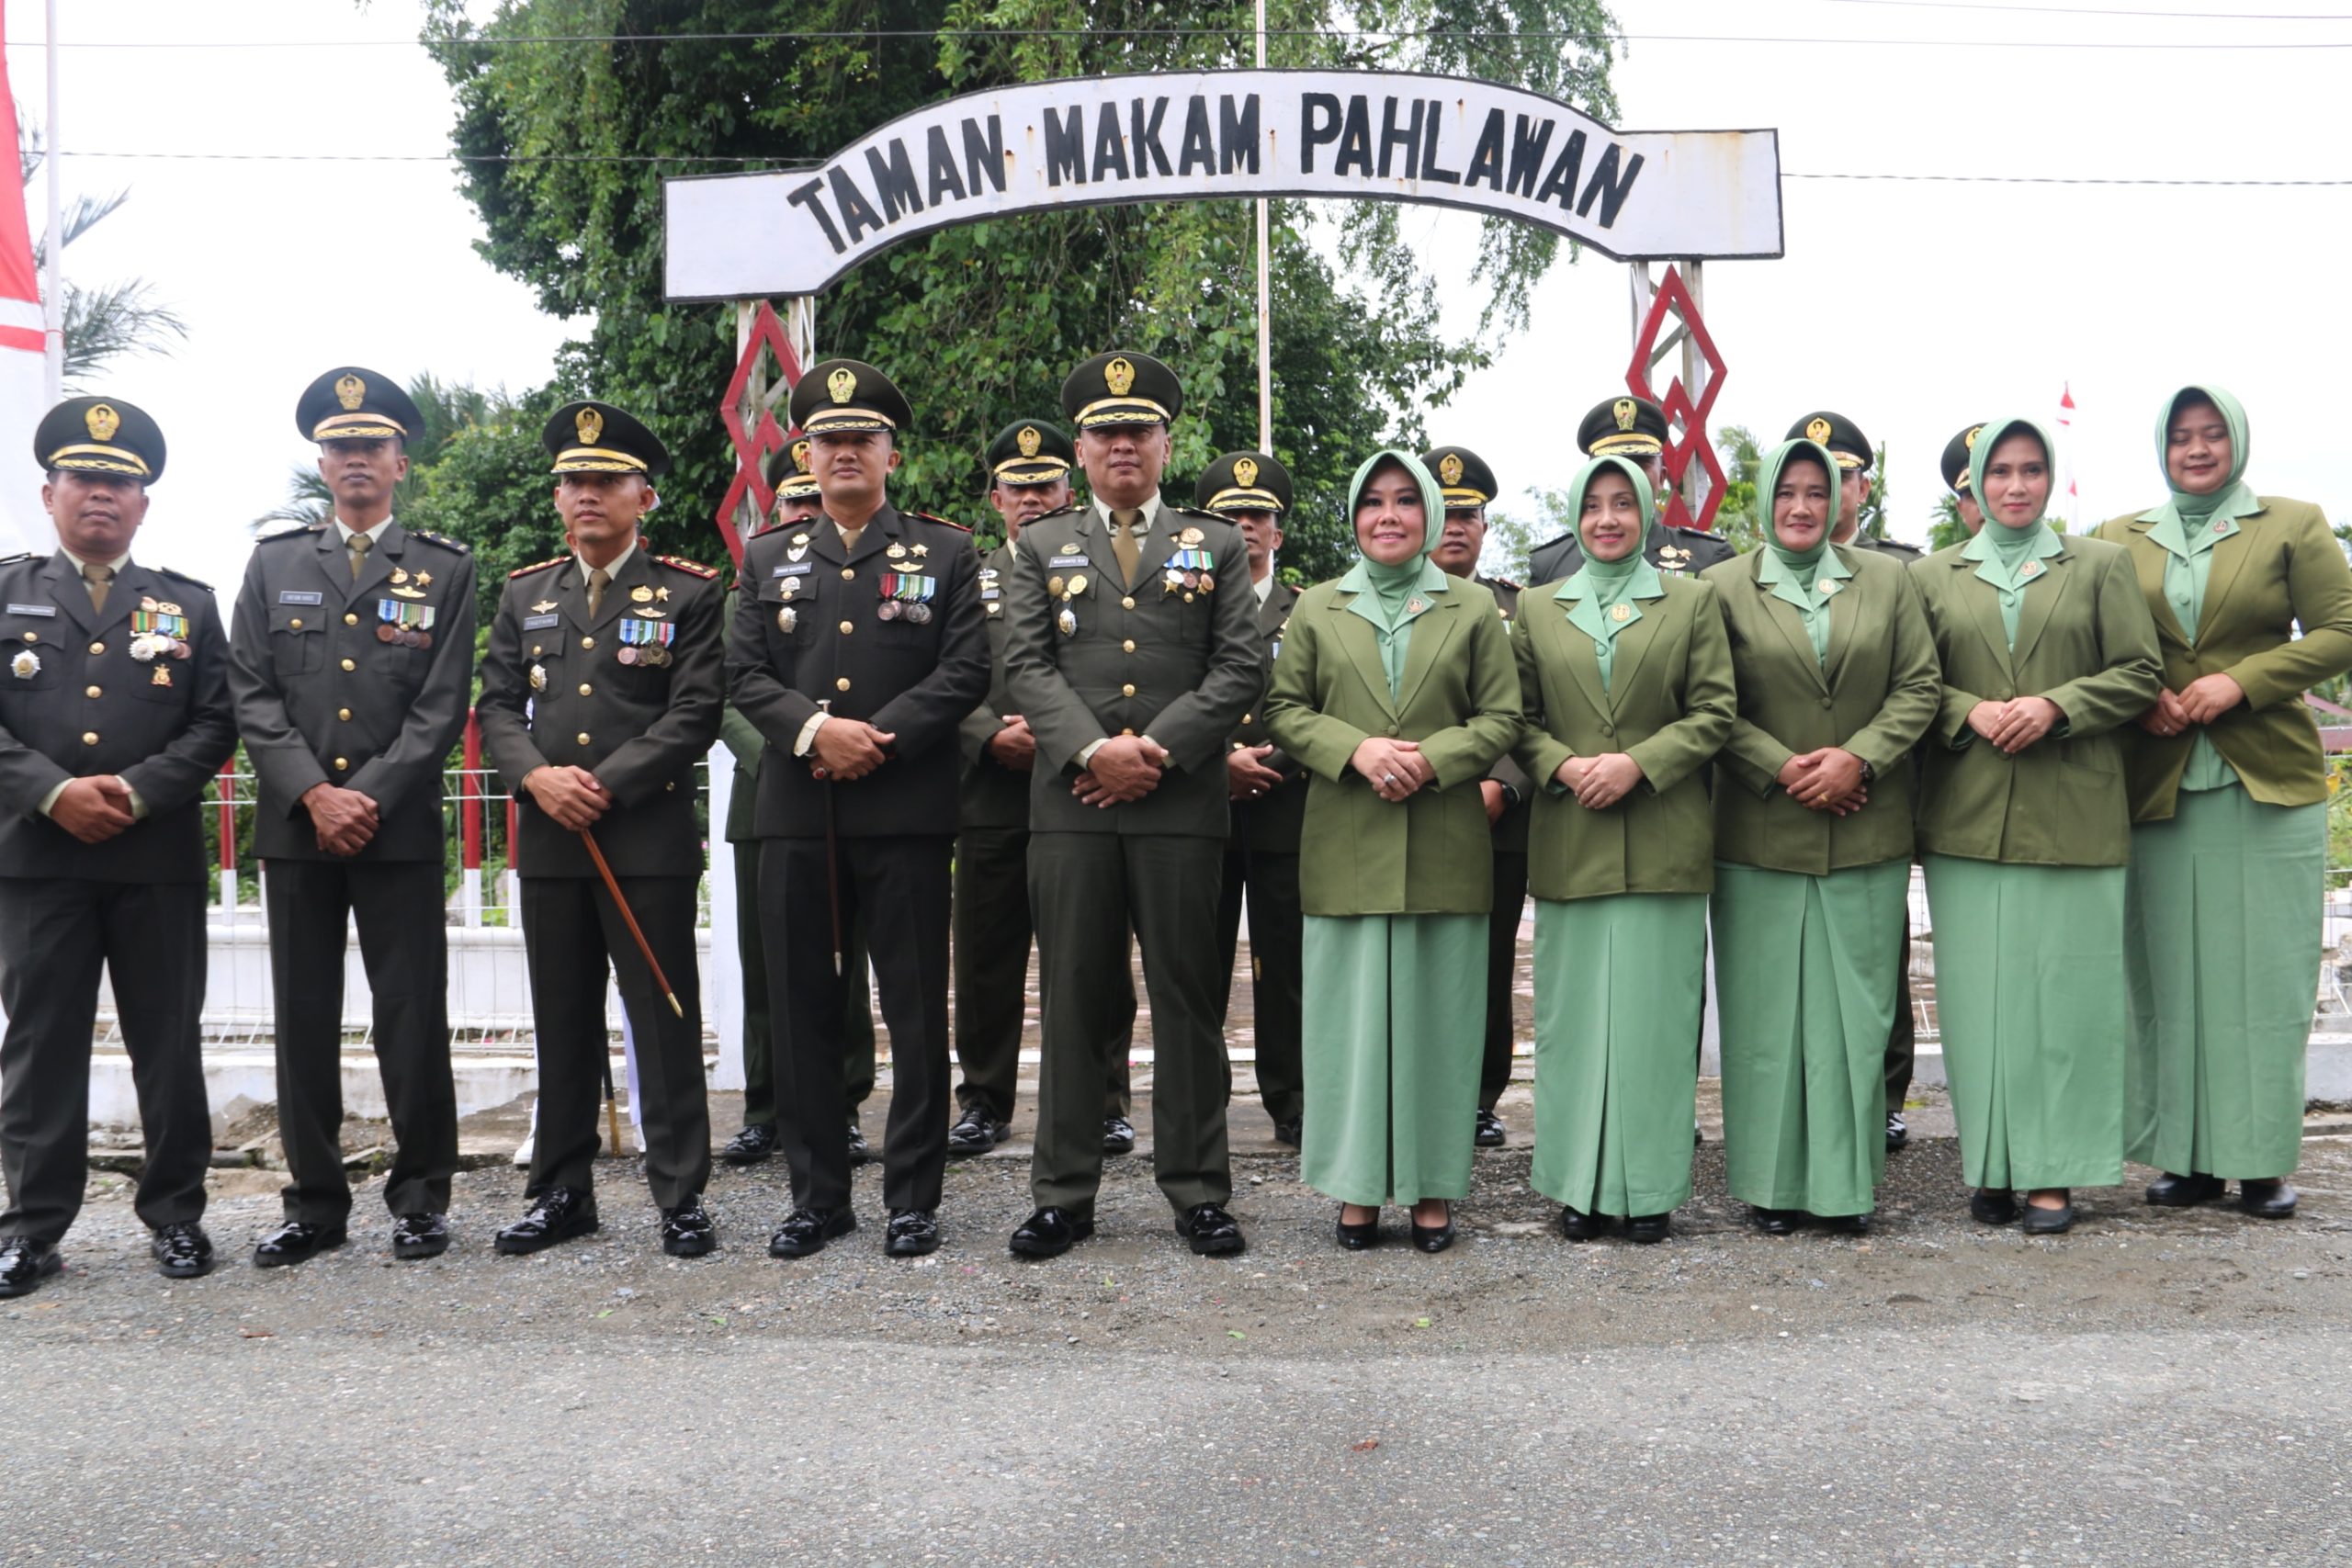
{"x": 2100, "y": 11}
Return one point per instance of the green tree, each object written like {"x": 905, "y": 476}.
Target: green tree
{"x": 1944, "y": 528}
{"x": 568, "y": 143}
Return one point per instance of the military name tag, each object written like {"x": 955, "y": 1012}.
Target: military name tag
{"x": 794, "y": 568}
{"x": 1058, "y": 562}
{"x": 32, "y": 609}
{"x": 540, "y": 623}
{"x": 295, "y": 596}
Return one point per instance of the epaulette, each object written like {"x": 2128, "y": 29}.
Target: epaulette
{"x": 1505, "y": 582}
{"x": 1897, "y": 546}
{"x": 695, "y": 568}
{"x": 536, "y": 565}
{"x": 1065, "y": 510}
{"x": 11, "y": 560}
{"x": 443, "y": 540}
{"x": 182, "y": 576}
{"x": 291, "y": 531}
{"x": 941, "y": 521}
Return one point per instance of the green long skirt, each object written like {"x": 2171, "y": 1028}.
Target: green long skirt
{"x": 1395, "y": 1023}
{"x": 1806, "y": 985}
{"x": 2029, "y": 991}
{"x": 2223, "y": 940}
{"x": 1619, "y": 985}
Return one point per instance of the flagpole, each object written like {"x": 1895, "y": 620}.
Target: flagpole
{"x": 1265, "y": 293}
{"x": 53, "y": 309}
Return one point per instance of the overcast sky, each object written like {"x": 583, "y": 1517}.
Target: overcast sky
{"x": 1913, "y": 308}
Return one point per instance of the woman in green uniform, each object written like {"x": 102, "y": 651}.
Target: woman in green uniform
{"x": 2024, "y": 828}
{"x": 1627, "y": 676}
{"x": 2228, "y": 784}
{"x": 1395, "y": 689}
{"x": 1837, "y": 682}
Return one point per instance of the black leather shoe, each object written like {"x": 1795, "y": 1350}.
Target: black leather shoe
{"x": 25, "y": 1263}
{"x": 1649, "y": 1229}
{"x": 687, "y": 1230}
{"x": 1435, "y": 1239}
{"x": 1049, "y": 1233}
{"x": 1212, "y": 1231}
{"x": 1897, "y": 1132}
{"x": 860, "y": 1151}
{"x": 1772, "y": 1221}
{"x": 1577, "y": 1226}
{"x": 1698, "y": 1135}
{"x": 418, "y": 1237}
{"x": 1490, "y": 1133}
{"x": 2170, "y": 1191}
{"x": 913, "y": 1233}
{"x": 1987, "y": 1207}
{"x": 975, "y": 1133}
{"x": 1288, "y": 1131}
{"x": 805, "y": 1231}
{"x": 754, "y": 1144}
{"x": 182, "y": 1251}
{"x": 2040, "y": 1221}
{"x": 295, "y": 1242}
{"x": 1118, "y": 1135}
{"x": 558, "y": 1215}
{"x": 1357, "y": 1238}
{"x": 2272, "y": 1199}
{"x": 1846, "y": 1225}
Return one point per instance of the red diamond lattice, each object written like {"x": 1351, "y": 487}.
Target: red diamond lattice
{"x": 1686, "y": 422}
{"x": 750, "y": 414}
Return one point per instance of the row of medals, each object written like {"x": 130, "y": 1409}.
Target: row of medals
{"x": 1190, "y": 584}
{"x": 652, "y": 655}
{"x": 148, "y": 647}
{"x": 915, "y": 612}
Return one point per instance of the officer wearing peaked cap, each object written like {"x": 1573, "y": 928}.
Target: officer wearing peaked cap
{"x": 1268, "y": 787}
{"x": 1029, "y": 466}
{"x": 114, "y": 715}
{"x": 1635, "y": 428}
{"x": 1134, "y": 651}
{"x": 1468, "y": 484}
{"x": 856, "y": 649}
{"x": 351, "y": 662}
{"x": 1955, "y": 468}
{"x": 1854, "y": 456}
{"x": 600, "y": 692}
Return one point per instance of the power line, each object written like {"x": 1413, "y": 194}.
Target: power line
{"x": 2053, "y": 180}
{"x": 2100, "y": 11}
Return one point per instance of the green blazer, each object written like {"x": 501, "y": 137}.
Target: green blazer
{"x": 1670, "y": 708}
{"x": 2086, "y": 642}
{"x": 2282, "y": 569}
{"x": 1875, "y": 697}
{"x": 1431, "y": 853}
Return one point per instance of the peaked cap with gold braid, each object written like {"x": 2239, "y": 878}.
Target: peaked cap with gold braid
{"x": 1122, "y": 388}
{"x": 352, "y": 402}
{"x": 1030, "y": 452}
{"x": 100, "y": 435}
{"x": 597, "y": 438}
{"x": 1244, "y": 481}
{"x": 834, "y": 396}
{"x": 1463, "y": 475}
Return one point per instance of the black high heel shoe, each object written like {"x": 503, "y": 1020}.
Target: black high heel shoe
{"x": 1434, "y": 1238}
{"x": 1357, "y": 1238}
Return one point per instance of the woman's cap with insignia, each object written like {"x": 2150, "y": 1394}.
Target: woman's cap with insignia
{"x": 837, "y": 396}
{"x": 597, "y": 438}
{"x": 100, "y": 435}
{"x": 1122, "y": 388}
{"x": 352, "y": 402}
{"x": 1244, "y": 481}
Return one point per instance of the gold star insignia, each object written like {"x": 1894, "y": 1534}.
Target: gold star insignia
{"x": 661, "y": 595}
{"x": 425, "y": 580}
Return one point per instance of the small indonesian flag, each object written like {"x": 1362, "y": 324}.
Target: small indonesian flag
{"x": 24, "y": 376}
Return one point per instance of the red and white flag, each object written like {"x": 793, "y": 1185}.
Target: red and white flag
{"x": 24, "y": 374}
{"x": 2068, "y": 501}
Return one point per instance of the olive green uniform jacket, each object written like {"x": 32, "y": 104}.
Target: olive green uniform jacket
{"x": 1670, "y": 707}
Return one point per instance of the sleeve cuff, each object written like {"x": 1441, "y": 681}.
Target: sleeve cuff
{"x": 1086, "y": 753}
{"x": 808, "y": 736}
{"x": 49, "y": 800}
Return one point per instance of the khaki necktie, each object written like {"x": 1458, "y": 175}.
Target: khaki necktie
{"x": 1123, "y": 543}
{"x": 360, "y": 547}
{"x": 850, "y": 536}
{"x": 97, "y": 577}
{"x": 598, "y": 581}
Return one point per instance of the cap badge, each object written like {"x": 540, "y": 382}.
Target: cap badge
{"x": 591, "y": 424}
{"x": 1119, "y": 376}
{"x": 350, "y": 391}
{"x": 843, "y": 384}
{"x": 1818, "y": 429}
{"x": 1449, "y": 468}
{"x": 800, "y": 455}
{"x": 1029, "y": 441}
{"x": 1968, "y": 442}
{"x": 1624, "y": 411}
{"x": 103, "y": 422}
{"x": 1245, "y": 473}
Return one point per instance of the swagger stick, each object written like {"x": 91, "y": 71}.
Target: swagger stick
{"x": 832, "y": 861}
{"x": 612, "y": 1107}
{"x": 614, "y": 887}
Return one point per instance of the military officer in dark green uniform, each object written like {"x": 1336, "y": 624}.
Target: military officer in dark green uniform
{"x": 1267, "y": 788}
{"x": 600, "y": 694}
{"x": 796, "y": 502}
{"x": 1853, "y": 454}
{"x": 1133, "y": 653}
{"x": 856, "y": 649}
{"x": 351, "y": 665}
{"x": 1634, "y": 428}
{"x": 114, "y": 715}
{"x": 1955, "y": 467}
{"x": 1029, "y": 466}
{"x": 1468, "y": 485}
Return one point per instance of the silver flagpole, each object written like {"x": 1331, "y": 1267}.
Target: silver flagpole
{"x": 1265, "y": 294}
{"x": 53, "y": 284}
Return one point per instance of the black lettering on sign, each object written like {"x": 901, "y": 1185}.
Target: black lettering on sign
{"x": 1356, "y": 140}
{"x": 857, "y": 213}
{"x": 811, "y": 196}
{"x": 1110, "y": 149}
{"x": 1318, "y": 125}
{"x": 1408, "y": 137}
{"x": 894, "y": 180}
{"x": 1430, "y": 170}
{"x": 984, "y": 156}
{"x": 1605, "y": 185}
{"x": 1561, "y": 183}
{"x": 1486, "y": 158}
{"x": 1197, "y": 149}
{"x": 942, "y": 164}
{"x": 1528, "y": 138}
{"x": 1150, "y": 149}
{"x": 1066, "y": 146}
{"x": 1238, "y": 132}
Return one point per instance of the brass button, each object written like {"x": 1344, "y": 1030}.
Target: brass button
{"x": 841, "y": 684}
{"x": 581, "y": 737}
{"x": 92, "y": 692}
{"x": 844, "y": 628}
{"x": 1126, "y": 732}
{"x": 296, "y": 623}
{"x": 348, "y": 620}
{"x": 1249, "y": 718}
{"x": 849, "y": 574}
{"x": 1127, "y": 603}
{"x": 90, "y": 737}
{"x": 341, "y": 763}
{"x": 1128, "y": 645}
{"x": 347, "y": 664}
{"x": 671, "y": 787}
{"x": 585, "y": 689}
{"x": 95, "y": 647}
{"x": 1128, "y": 691}
{"x": 344, "y": 714}
{"x": 536, "y": 651}
{"x": 587, "y": 642}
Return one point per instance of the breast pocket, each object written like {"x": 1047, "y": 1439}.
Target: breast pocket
{"x": 29, "y": 660}
{"x": 297, "y": 639}
{"x": 165, "y": 680}
{"x": 787, "y": 605}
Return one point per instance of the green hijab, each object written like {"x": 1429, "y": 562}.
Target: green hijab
{"x": 1391, "y": 597}
{"x": 1805, "y": 580}
{"x": 1603, "y": 597}
{"x": 2010, "y": 558}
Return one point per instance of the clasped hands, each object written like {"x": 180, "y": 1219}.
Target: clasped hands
{"x": 1395, "y": 769}
{"x": 1599, "y": 782}
{"x": 2204, "y": 700}
{"x": 1124, "y": 768}
{"x": 344, "y": 819}
{"x": 574, "y": 797}
{"x": 1829, "y": 779}
{"x": 2014, "y": 725}
{"x": 93, "y": 810}
{"x": 844, "y": 749}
